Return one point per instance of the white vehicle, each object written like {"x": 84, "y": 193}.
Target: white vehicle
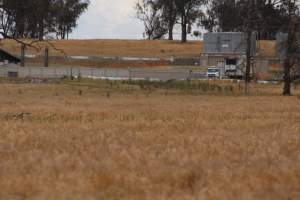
{"x": 213, "y": 73}
{"x": 233, "y": 68}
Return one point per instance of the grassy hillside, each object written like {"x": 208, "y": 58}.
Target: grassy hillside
{"x": 132, "y": 48}
{"x": 266, "y": 48}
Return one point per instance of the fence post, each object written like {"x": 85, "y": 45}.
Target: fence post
{"x": 46, "y": 57}
{"x": 129, "y": 73}
{"x": 23, "y": 47}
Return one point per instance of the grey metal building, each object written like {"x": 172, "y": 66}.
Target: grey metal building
{"x": 225, "y": 45}
{"x": 228, "y": 43}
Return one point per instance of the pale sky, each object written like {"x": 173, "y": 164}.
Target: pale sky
{"x": 113, "y": 19}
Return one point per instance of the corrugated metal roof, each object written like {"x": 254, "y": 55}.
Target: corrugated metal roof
{"x": 4, "y": 55}
{"x": 228, "y": 43}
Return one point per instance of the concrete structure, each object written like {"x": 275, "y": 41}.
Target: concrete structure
{"x": 100, "y": 73}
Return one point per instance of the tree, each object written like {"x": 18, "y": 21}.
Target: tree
{"x": 209, "y": 20}
{"x": 160, "y": 16}
{"x": 68, "y": 12}
{"x": 248, "y": 7}
{"x": 150, "y": 13}
{"x": 22, "y": 19}
{"x": 189, "y": 11}
{"x": 228, "y": 15}
{"x": 221, "y": 15}
{"x": 169, "y": 15}
{"x": 292, "y": 44}
{"x": 7, "y": 20}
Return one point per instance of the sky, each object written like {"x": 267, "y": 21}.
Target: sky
{"x": 113, "y": 19}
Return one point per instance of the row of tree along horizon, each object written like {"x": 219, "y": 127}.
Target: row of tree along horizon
{"x": 160, "y": 16}
{"x": 37, "y": 19}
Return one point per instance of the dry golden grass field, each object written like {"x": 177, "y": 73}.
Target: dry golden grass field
{"x": 131, "y": 48}
{"x": 110, "y": 140}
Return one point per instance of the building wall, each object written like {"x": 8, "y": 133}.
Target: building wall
{"x": 213, "y": 59}
{"x": 280, "y": 45}
{"x": 209, "y": 60}
{"x": 229, "y": 43}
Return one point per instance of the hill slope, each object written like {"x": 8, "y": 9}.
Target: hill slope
{"x": 130, "y": 48}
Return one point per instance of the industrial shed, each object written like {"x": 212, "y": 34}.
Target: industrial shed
{"x": 6, "y": 57}
{"x": 219, "y": 47}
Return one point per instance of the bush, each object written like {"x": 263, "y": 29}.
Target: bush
{"x": 296, "y": 82}
{"x": 184, "y": 86}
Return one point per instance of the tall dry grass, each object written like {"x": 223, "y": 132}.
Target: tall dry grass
{"x": 74, "y": 141}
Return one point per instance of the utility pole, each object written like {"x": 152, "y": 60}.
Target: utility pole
{"x": 249, "y": 32}
{"x": 248, "y": 62}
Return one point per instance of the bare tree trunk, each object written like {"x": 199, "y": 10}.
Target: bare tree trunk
{"x": 171, "y": 27}
{"x": 41, "y": 30}
{"x": 63, "y": 32}
{"x": 183, "y": 30}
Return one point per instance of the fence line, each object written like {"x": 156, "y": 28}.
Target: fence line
{"x": 97, "y": 73}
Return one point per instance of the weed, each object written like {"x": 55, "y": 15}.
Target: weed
{"x": 108, "y": 94}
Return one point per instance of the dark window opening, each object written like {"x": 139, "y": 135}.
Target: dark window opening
{"x": 231, "y": 61}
